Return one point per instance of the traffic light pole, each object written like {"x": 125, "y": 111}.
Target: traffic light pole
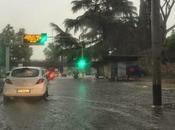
{"x": 82, "y": 55}
{"x": 7, "y": 59}
{"x": 156, "y": 52}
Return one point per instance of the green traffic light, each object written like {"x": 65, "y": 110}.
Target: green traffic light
{"x": 81, "y": 63}
{"x": 43, "y": 38}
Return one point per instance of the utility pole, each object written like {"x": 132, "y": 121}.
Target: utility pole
{"x": 156, "y": 52}
{"x": 7, "y": 59}
{"x": 82, "y": 53}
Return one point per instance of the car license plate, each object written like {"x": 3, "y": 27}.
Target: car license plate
{"x": 23, "y": 90}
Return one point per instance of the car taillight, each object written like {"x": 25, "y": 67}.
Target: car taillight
{"x": 51, "y": 75}
{"x": 8, "y": 81}
{"x": 40, "y": 81}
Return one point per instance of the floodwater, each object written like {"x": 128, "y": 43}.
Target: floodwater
{"x": 91, "y": 105}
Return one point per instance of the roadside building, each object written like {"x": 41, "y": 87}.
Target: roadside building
{"x": 118, "y": 67}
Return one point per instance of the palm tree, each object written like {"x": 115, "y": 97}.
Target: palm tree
{"x": 97, "y": 22}
{"x": 64, "y": 39}
{"x": 64, "y": 45}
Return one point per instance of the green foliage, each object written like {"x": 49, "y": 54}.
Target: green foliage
{"x": 64, "y": 39}
{"x": 171, "y": 41}
{"x": 2, "y": 55}
{"x": 52, "y": 52}
{"x": 103, "y": 27}
{"x": 8, "y": 35}
{"x": 105, "y": 23}
{"x": 64, "y": 45}
{"x": 19, "y": 51}
{"x": 168, "y": 53}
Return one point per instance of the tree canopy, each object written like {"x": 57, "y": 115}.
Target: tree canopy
{"x": 103, "y": 21}
{"x": 105, "y": 26}
{"x": 19, "y": 51}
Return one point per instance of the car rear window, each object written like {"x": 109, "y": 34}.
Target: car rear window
{"x": 25, "y": 72}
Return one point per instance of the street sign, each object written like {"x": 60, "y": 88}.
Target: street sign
{"x": 35, "y": 39}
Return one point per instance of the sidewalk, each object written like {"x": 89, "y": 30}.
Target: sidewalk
{"x": 167, "y": 83}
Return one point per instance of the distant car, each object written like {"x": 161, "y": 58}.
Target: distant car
{"x": 134, "y": 70}
{"x": 64, "y": 75}
{"x": 25, "y": 82}
{"x": 99, "y": 76}
{"x": 51, "y": 74}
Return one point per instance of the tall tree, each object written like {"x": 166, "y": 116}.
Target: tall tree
{"x": 8, "y": 35}
{"x": 144, "y": 27}
{"x": 7, "y": 38}
{"x": 98, "y": 23}
{"x": 166, "y": 11}
{"x": 170, "y": 48}
{"x": 2, "y": 54}
{"x": 67, "y": 45}
{"x": 64, "y": 45}
{"x": 52, "y": 52}
{"x": 64, "y": 39}
{"x": 19, "y": 51}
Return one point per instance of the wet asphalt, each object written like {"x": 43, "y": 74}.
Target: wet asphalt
{"x": 91, "y": 105}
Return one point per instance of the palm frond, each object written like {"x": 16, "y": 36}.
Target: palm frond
{"x": 56, "y": 28}
{"x": 80, "y": 4}
{"x": 72, "y": 24}
{"x": 88, "y": 19}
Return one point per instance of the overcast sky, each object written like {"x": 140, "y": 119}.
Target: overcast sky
{"x": 35, "y": 16}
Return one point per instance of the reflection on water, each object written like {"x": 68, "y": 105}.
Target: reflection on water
{"x": 157, "y": 112}
{"x": 79, "y": 104}
{"x": 169, "y": 106}
{"x": 157, "y": 117}
{"x": 82, "y": 91}
{"x": 22, "y": 113}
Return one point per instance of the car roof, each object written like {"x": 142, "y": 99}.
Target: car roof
{"x": 32, "y": 67}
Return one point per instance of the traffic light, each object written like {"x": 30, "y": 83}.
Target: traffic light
{"x": 82, "y": 63}
{"x": 43, "y": 38}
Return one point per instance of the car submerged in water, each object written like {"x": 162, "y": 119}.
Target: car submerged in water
{"x": 25, "y": 82}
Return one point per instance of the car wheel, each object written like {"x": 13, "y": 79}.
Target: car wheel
{"x": 45, "y": 95}
{"x": 5, "y": 99}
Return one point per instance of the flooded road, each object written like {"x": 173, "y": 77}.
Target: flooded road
{"x": 91, "y": 105}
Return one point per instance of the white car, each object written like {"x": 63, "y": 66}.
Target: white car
{"x": 25, "y": 82}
